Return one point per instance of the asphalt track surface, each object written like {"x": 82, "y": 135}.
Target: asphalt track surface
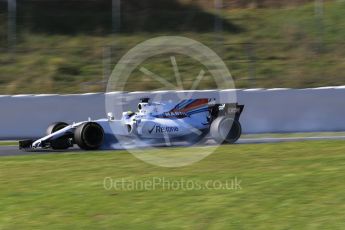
{"x": 14, "y": 151}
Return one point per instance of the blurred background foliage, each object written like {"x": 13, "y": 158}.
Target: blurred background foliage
{"x": 71, "y": 46}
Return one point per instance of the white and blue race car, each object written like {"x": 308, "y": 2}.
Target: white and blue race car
{"x": 190, "y": 120}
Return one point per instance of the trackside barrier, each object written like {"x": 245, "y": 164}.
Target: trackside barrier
{"x": 266, "y": 110}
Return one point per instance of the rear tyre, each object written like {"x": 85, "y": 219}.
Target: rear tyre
{"x": 225, "y": 130}
{"x": 61, "y": 142}
{"x": 89, "y": 136}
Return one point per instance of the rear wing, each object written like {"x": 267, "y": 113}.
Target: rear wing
{"x": 228, "y": 109}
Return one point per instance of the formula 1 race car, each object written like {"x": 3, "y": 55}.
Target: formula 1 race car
{"x": 190, "y": 120}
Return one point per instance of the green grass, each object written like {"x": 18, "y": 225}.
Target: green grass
{"x": 8, "y": 143}
{"x": 285, "y": 53}
{"x": 283, "y": 186}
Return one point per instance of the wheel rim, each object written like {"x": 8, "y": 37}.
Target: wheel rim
{"x": 224, "y": 128}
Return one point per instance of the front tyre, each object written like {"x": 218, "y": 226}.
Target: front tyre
{"x": 225, "y": 130}
{"x": 56, "y": 126}
{"x": 61, "y": 142}
{"x": 89, "y": 136}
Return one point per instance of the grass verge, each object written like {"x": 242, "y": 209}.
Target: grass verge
{"x": 283, "y": 186}
{"x": 8, "y": 143}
